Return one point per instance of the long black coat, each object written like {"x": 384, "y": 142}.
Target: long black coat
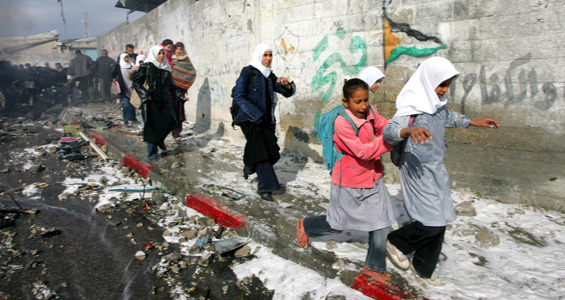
{"x": 158, "y": 113}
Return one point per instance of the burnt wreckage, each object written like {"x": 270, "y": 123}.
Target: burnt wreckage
{"x": 37, "y": 87}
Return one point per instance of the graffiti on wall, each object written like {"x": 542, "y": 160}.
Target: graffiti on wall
{"x": 392, "y": 41}
{"x": 519, "y": 84}
{"x": 321, "y": 79}
{"x": 285, "y": 48}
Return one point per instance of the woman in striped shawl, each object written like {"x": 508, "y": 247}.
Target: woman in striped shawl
{"x": 183, "y": 76}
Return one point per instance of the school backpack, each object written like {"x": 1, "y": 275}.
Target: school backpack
{"x": 398, "y": 149}
{"x": 234, "y": 109}
{"x": 325, "y": 127}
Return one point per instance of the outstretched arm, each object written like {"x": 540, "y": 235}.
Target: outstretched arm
{"x": 486, "y": 122}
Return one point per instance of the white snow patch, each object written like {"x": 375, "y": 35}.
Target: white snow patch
{"x": 289, "y": 280}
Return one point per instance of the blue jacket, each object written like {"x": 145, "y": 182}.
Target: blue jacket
{"x": 251, "y": 101}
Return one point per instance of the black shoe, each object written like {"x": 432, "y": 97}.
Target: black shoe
{"x": 267, "y": 196}
{"x": 245, "y": 175}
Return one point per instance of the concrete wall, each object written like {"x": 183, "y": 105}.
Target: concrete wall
{"x": 508, "y": 53}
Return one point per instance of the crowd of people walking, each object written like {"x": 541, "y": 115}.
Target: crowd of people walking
{"x": 157, "y": 86}
{"x": 358, "y": 198}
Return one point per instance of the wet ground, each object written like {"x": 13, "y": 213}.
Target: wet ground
{"x": 65, "y": 249}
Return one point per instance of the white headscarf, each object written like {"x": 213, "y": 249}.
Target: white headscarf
{"x": 418, "y": 95}
{"x": 152, "y": 58}
{"x": 258, "y": 58}
{"x": 371, "y": 75}
{"x": 139, "y": 59}
{"x": 125, "y": 69}
{"x": 123, "y": 63}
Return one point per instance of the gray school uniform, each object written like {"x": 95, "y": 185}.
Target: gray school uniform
{"x": 363, "y": 209}
{"x": 424, "y": 179}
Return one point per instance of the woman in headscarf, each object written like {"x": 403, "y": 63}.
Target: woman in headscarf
{"x": 184, "y": 75}
{"x": 158, "y": 112}
{"x": 373, "y": 77}
{"x": 423, "y": 176}
{"x": 121, "y": 74}
{"x": 139, "y": 60}
{"x": 255, "y": 99}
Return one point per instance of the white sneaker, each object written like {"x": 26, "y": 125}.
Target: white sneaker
{"x": 397, "y": 257}
{"x": 434, "y": 280}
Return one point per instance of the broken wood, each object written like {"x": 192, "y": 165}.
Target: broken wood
{"x": 94, "y": 146}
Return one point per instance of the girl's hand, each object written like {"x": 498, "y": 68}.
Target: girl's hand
{"x": 284, "y": 82}
{"x": 418, "y": 134}
{"x": 185, "y": 98}
{"x": 486, "y": 122}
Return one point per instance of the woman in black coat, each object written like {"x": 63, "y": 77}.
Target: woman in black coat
{"x": 254, "y": 94}
{"x": 158, "y": 113}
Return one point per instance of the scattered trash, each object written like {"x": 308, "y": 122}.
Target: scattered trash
{"x": 224, "y": 246}
{"x": 139, "y": 190}
{"x": 94, "y": 146}
{"x": 146, "y": 206}
{"x": 68, "y": 140}
{"x": 51, "y": 232}
{"x": 204, "y": 239}
{"x": 225, "y": 191}
{"x": 16, "y": 267}
{"x": 41, "y": 184}
{"x": 149, "y": 245}
{"x": 68, "y": 150}
{"x": 72, "y": 130}
{"x": 173, "y": 257}
{"x": 75, "y": 157}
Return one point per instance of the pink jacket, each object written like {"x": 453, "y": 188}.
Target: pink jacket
{"x": 361, "y": 167}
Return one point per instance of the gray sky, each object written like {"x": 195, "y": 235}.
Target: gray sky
{"x": 29, "y": 17}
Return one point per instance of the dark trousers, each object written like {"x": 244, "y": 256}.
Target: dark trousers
{"x": 261, "y": 153}
{"x": 424, "y": 241}
{"x": 267, "y": 181}
{"x": 105, "y": 88}
{"x": 85, "y": 85}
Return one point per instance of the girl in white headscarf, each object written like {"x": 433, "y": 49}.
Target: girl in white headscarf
{"x": 253, "y": 109}
{"x": 121, "y": 74}
{"x": 158, "y": 112}
{"x": 373, "y": 77}
{"x": 424, "y": 179}
{"x": 139, "y": 60}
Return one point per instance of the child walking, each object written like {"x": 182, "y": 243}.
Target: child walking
{"x": 358, "y": 198}
{"x": 423, "y": 177}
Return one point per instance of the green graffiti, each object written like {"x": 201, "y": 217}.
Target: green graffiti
{"x": 340, "y": 33}
{"x": 412, "y": 51}
{"x": 321, "y": 47}
{"x": 356, "y": 45}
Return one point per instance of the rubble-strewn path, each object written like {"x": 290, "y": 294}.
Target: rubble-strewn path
{"x": 140, "y": 241}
